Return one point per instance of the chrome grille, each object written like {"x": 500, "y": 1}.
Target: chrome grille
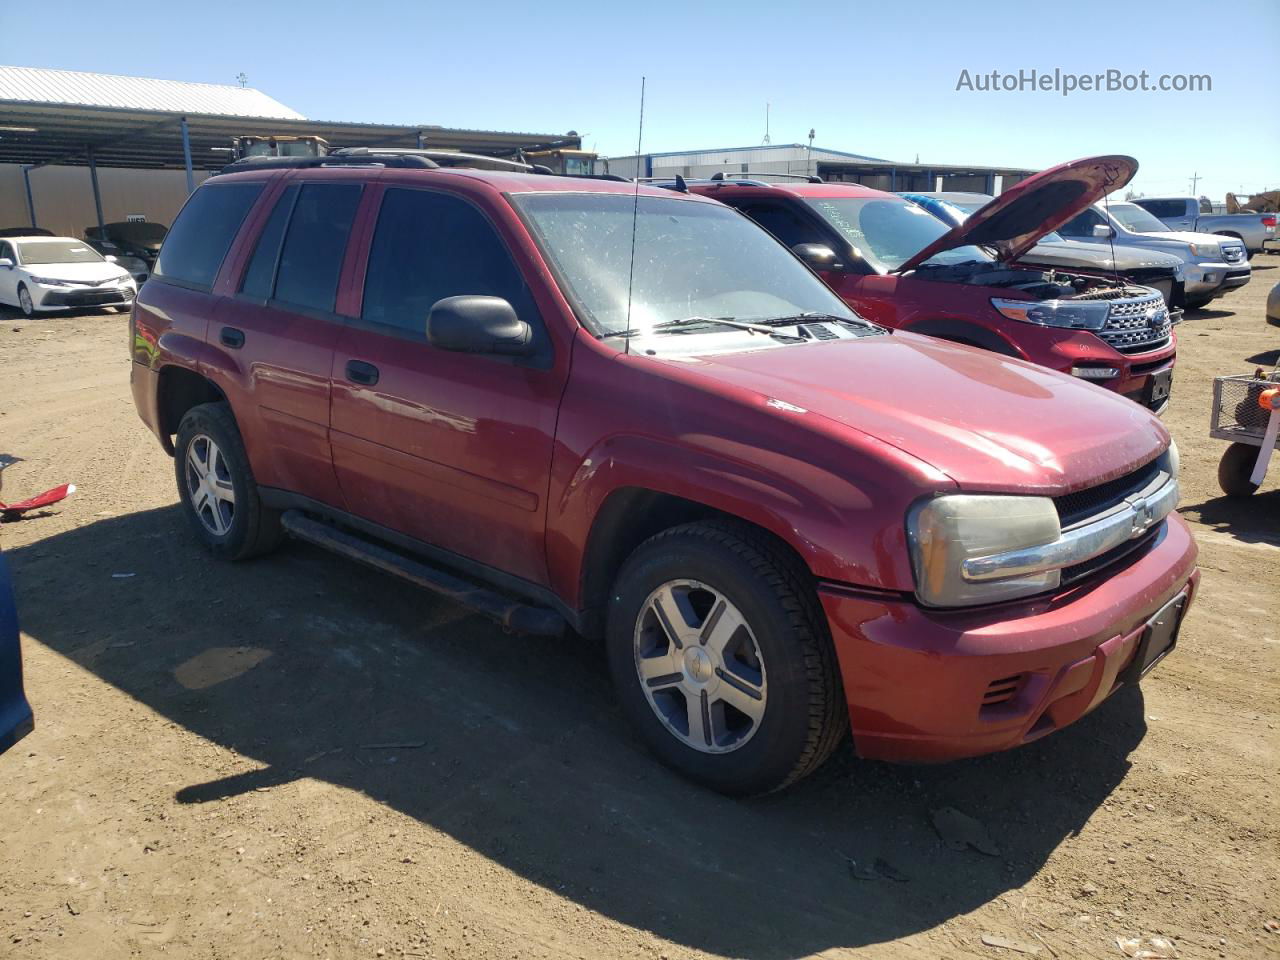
{"x": 1137, "y": 325}
{"x": 1232, "y": 253}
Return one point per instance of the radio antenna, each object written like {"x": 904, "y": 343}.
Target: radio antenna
{"x": 635, "y": 216}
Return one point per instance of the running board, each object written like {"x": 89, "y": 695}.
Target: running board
{"x": 511, "y": 614}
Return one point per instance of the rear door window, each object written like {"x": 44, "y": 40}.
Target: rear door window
{"x": 429, "y": 246}
{"x": 314, "y": 245}
{"x": 194, "y": 249}
{"x": 260, "y": 279}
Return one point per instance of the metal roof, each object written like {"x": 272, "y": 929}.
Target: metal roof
{"x": 39, "y": 85}
{"x": 57, "y": 116}
{"x": 760, "y": 147}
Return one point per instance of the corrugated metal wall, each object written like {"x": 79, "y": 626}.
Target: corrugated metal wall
{"x": 64, "y": 196}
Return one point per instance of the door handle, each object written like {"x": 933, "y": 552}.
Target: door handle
{"x": 360, "y": 372}
{"x": 232, "y": 337}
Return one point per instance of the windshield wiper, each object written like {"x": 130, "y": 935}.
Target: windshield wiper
{"x": 812, "y": 315}
{"x": 673, "y": 325}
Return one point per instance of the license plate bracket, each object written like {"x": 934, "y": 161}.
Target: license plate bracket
{"x": 1158, "y": 638}
{"x": 1160, "y": 386}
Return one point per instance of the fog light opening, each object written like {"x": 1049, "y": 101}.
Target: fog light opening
{"x": 1095, "y": 373}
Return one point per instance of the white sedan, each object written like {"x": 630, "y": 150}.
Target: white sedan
{"x": 41, "y": 274}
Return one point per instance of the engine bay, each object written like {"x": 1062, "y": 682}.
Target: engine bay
{"x": 1046, "y": 284}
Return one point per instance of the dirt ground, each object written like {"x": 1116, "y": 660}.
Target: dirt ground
{"x": 301, "y": 758}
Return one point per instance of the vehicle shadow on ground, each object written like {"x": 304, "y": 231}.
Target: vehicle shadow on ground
{"x": 514, "y": 746}
{"x": 1254, "y": 519}
{"x": 1266, "y": 358}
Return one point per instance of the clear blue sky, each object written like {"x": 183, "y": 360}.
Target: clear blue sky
{"x": 872, "y": 78}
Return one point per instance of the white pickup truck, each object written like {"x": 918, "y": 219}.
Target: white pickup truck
{"x": 1197, "y": 216}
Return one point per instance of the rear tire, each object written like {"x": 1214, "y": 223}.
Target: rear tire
{"x": 752, "y": 635}
{"x": 217, "y": 489}
{"x": 1235, "y": 468}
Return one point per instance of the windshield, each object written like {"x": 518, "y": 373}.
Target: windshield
{"x": 889, "y": 231}
{"x": 57, "y": 251}
{"x": 691, "y": 260}
{"x": 1134, "y": 218}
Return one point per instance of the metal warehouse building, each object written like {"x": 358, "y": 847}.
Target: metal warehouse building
{"x": 79, "y": 149}
{"x": 833, "y": 165}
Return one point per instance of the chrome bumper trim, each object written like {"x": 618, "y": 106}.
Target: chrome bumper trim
{"x": 1132, "y": 518}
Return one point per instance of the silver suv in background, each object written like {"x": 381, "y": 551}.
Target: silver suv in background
{"x": 1215, "y": 264}
{"x": 1188, "y": 213}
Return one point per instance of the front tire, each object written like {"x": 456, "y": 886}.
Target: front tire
{"x": 722, "y": 658}
{"x": 1235, "y": 468}
{"x": 24, "y": 301}
{"x": 216, "y": 486}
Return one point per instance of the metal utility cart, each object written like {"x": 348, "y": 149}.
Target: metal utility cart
{"x": 1246, "y": 412}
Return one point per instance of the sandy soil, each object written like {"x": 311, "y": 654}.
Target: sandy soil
{"x": 301, "y": 758}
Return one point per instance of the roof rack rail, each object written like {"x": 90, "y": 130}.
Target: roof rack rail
{"x": 808, "y": 177}
{"x": 376, "y": 158}
{"x": 445, "y": 158}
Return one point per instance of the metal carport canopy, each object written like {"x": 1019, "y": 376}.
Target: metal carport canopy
{"x": 36, "y": 134}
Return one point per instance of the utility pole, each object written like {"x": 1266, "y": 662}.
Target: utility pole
{"x": 766, "y": 141}
{"x": 808, "y": 160}
{"x": 1195, "y": 178}
{"x": 243, "y": 79}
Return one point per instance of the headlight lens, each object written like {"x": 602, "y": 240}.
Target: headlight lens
{"x": 48, "y": 282}
{"x": 1213, "y": 250}
{"x": 1074, "y": 314}
{"x": 946, "y": 531}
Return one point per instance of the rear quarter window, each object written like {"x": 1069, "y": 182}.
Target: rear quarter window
{"x": 194, "y": 249}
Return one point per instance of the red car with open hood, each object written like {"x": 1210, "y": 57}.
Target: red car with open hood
{"x": 896, "y": 264}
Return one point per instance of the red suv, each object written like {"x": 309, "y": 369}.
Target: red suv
{"x": 579, "y": 403}
{"x": 900, "y": 266}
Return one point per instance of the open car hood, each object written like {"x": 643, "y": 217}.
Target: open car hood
{"x": 1013, "y": 222}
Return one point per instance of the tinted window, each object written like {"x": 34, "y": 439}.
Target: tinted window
{"x": 1081, "y": 225}
{"x": 311, "y": 258}
{"x": 1165, "y": 209}
{"x": 202, "y": 235}
{"x": 783, "y": 223}
{"x": 259, "y": 279}
{"x": 429, "y": 246}
{"x": 6, "y": 252}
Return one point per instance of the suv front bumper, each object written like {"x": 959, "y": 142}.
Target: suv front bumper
{"x": 1215, "y": 278}
{"x": 932, "y": 685}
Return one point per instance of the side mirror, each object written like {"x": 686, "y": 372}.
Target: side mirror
{"x": 110, "y": 258}
{"x": 1103, "y": 230}
{"x": 478, "y": 325}
{"x": 5, "y": 262}
{"x": 817, "y": 255}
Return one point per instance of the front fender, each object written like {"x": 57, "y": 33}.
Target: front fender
{"x": 845, "y": 527}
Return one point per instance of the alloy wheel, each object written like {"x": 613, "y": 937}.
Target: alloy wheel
{"x": 209, "y": 486}
{"x": 700, "y": 666}
{"x": 24, "y": 301}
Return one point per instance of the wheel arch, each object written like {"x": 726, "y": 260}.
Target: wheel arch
{"x": 178, "y": 389}
{"x": 627, "y": 518}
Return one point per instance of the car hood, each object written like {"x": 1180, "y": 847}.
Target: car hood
{"x": 1092, "y": 256}
{"x": 1013, "y": 222}
{"x": 76, "y": 272}
{"x": 990, "y": 423}
{"x": 1186, "y": 236}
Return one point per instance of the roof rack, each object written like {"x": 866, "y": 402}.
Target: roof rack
{"x": 424, "y": 159}
{"x": 368, "y": 159}
{"x": 747, "y": 174}
{"x": 445, "y": 158}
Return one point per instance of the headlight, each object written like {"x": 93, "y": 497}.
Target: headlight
{"x": 47, "y": 282}
{"x": 1074, "y": 314}
{"x": 1211, "y": 250}
{"x": 946, "y": 531}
